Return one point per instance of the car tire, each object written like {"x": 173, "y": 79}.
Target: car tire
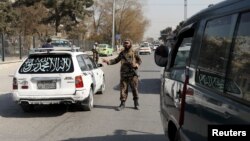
{"x": 27, "y": 107}
{"x": 89, "y": 104}
{"x": 177, "y": 136}
{"x": 103, "y": 87}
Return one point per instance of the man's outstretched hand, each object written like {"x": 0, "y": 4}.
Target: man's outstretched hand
{"x": 105, "y": 61}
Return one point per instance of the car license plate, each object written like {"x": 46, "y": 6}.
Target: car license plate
{"x": 46, "y": 84}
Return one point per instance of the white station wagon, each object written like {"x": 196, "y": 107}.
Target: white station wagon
{"x": 54, "y": 76}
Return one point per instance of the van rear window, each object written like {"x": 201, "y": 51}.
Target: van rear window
{"x": 47, "y": 63}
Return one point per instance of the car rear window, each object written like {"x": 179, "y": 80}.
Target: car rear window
{"x": 47, "y": 63}
{"x": 102, "y": 46}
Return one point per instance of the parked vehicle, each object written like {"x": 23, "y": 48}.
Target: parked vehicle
{"x": 155, "y": 46}
{"x": 210, "y": 83}
{"x": 105, "y": 50}
{"x": 60, "y": 42}
{"x": 54, "y": 76}
{"x": 145, "y": 48}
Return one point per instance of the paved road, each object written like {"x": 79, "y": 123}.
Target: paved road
{"x": 104, "y": 123}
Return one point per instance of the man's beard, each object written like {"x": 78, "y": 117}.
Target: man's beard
{"x": 127, "y": 48}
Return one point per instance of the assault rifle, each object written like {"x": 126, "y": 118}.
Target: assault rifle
{"x": 130, "y": 65}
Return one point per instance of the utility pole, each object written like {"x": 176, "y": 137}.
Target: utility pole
{"x": 185, "y": 10}
{"x": 113, "y": 27}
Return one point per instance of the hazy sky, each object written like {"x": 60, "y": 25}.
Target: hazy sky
{"x": 168, "y": 13}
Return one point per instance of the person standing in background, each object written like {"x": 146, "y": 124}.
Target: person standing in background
{"x": 95, "y": 52}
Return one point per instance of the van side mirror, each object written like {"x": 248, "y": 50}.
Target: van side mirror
{"x": 161, "y": 56}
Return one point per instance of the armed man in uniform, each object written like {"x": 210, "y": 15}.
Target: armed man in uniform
{"x": 95, "y": 53}
{"x": 130, "y": 61}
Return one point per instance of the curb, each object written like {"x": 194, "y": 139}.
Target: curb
{"x": 10, "y": 62}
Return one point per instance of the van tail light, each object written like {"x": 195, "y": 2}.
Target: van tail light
{"x": 14, "y": 84}
{"x": 78, "y": 82}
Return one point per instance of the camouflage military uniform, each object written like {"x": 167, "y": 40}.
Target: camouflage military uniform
{"x": 127, "y": 74}
{"x": 95, "y": 55}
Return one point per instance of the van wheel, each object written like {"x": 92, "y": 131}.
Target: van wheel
{"x": 172, "y": 131}
{"x": 177, "y": 136}
{"x": 27, "y": 107}
{"x": 87, "y": 105}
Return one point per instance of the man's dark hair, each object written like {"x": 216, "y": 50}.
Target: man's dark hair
{"x": 49, "y": 40}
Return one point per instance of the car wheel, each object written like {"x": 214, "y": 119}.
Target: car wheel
{"x": 102, "y": 87}
{"x": 27, "y": 107}
{"x": 89, "y": 103}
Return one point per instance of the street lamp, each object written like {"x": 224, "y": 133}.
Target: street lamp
{"x": 185, "y": 10}
{"x": 113, "y": 26}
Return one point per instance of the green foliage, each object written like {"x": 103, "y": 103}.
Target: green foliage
{"x": 8, "y": 17}
{"x": 61, "y": 12}
{"x": 165, "y": 33}
{"x": 67, "y": 11}
{"x": 25, "y": 2}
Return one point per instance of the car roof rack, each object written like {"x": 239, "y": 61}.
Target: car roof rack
{"x": 72, "y": 49}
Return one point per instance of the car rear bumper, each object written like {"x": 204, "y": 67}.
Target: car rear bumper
{"x": 51, "y": 99}
{"x": 104, "y": 53}
{"x": 144, "y": 51}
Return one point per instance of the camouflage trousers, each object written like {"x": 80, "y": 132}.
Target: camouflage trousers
{"x": 95, "y": 56}
{"x": 133, "y": 83}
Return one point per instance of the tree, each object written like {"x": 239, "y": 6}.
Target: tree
{"x": 165, "y": 33}
{"x": 130, "y": 21}
{"x": 150, "y": 39}
{"x": 69, "y": 12}
{"x": 30, "y": 18}
{"x": 30, "y": 15}
{"x": 25, "y": 3}
{"x": 61, "y": 12}
{"x": 97, "y": 20}
{"x": 8, "y": 17}
{"x": 76, "y": 32}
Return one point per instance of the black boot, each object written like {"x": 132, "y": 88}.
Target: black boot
{"x": 136, "y": 104}
{"x": 122, "y": 106}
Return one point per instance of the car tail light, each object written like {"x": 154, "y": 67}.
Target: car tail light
{"x": 78, "y": 82}
{"x": 25, "y": 87}
{"x": 14, "y": 85}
